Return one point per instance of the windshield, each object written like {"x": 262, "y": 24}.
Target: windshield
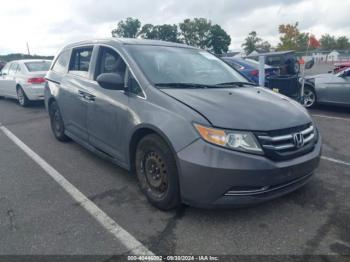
{"x": 163, "y": 64}
{"x": 38, "y": 66}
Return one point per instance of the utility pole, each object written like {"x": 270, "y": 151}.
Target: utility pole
{"x": 28, "y": 49}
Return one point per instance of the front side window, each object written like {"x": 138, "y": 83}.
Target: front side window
{"x": 61, "y": 63}
{"x": 109, "y": 62}
{"x": 80, "y": 61}
{"x": 162, "y": 64}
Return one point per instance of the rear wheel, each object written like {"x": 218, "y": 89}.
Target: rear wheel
{"x": 157, "y": 173}
{"x": 57, "y": 125}
{"x": 309, "y": 97}
{"x": 22, "y": 97}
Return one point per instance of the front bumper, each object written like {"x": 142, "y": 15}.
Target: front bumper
{"x": 211, "y": 176}
{"x": 34, "y": 92}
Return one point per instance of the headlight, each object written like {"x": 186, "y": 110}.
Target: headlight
{"x": 236, "y": 140}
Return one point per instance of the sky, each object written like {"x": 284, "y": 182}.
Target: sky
{"x": 47, "y": 25}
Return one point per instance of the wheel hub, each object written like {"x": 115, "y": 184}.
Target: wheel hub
{"x": 309, "y": 98}
{"x": 155, "y": 172}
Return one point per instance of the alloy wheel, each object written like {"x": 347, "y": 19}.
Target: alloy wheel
{"x": 309, "y": 98}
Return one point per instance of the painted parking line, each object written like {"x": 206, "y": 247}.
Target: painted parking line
{"x": 336, "y": 160}
{"x": 331, "y": 117}
{"x": 131, "y": 244}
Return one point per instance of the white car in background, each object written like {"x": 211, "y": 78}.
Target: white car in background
{"x": 24, "y": 80}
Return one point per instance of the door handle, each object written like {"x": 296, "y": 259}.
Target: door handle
{"x": 86, "y": 96}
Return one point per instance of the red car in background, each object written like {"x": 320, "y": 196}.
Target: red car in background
{"x": 341, "y": 66}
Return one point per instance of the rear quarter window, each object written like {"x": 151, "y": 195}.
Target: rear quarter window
{"x": 61, "y": 63}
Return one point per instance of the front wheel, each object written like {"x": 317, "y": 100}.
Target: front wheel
{"x": 57, "y": 125}
{"x": 157, "y": 173}
{"x": 22, "y": 97}
{"x": 309, "y": 97}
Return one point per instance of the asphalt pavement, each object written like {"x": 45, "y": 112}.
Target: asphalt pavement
{"x": 38, "y": 216}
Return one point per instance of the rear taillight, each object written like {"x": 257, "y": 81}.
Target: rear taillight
{"x": 254, "y": 72}
{"x": 36, "y": 80}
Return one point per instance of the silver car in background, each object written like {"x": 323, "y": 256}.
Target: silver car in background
{"x": 331, "y": 88}
{"x": 24, "y": 80}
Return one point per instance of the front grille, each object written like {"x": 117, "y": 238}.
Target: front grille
{"x": 281, "y": 145}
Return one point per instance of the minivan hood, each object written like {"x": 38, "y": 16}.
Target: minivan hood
{"x": 246, "y": 108}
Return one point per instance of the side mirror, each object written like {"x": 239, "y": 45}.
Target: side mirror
{"x": 112, "y": 81}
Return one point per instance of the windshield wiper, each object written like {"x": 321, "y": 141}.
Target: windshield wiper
{"x": 236, "y": 84}
{"x": 185, "y": 85}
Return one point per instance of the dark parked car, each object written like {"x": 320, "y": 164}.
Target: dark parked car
{"x": 286, "y": 61}
{"x": 191, "y": 127}
{"x": 250, "y": 68}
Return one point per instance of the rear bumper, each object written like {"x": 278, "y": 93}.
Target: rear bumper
{"x": 211, "y": 176}
{"x": 34, "y": 92}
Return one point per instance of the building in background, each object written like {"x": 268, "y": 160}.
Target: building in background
{"x": 326, "y": 56}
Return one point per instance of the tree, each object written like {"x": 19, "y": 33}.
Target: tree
{"x": 198, "y": 32}
{"x": 292, "y": 39}
{"x": 160, "y": 32}
{"x": 263, "y": 47}
{"x": 251, "y": 42}
{"x": 328, "y": 42}
{"x": 302, "y": 42}
{"x": 342, "y": 43}
{"x": 313, "y": 42}
{"x": 195, "y": 32}
{"x": 218, "y": 40}
{"x": 289, "y": 36}
{"x": 147, "y": 32}
{"x": 128, "y": 29}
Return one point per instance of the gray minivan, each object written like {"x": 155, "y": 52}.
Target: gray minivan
{"x": 191, "y": 128}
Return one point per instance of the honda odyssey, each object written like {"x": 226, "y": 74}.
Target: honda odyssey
{"x": 191, "y": 128}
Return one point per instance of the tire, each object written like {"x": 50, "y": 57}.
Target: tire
{"x": 157, "y": 173}
{"x": 310, "y": 97}
{"x": 22, "y": 97}
{"x": 57, "y": 125}
{"x": 296, "y": 67}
